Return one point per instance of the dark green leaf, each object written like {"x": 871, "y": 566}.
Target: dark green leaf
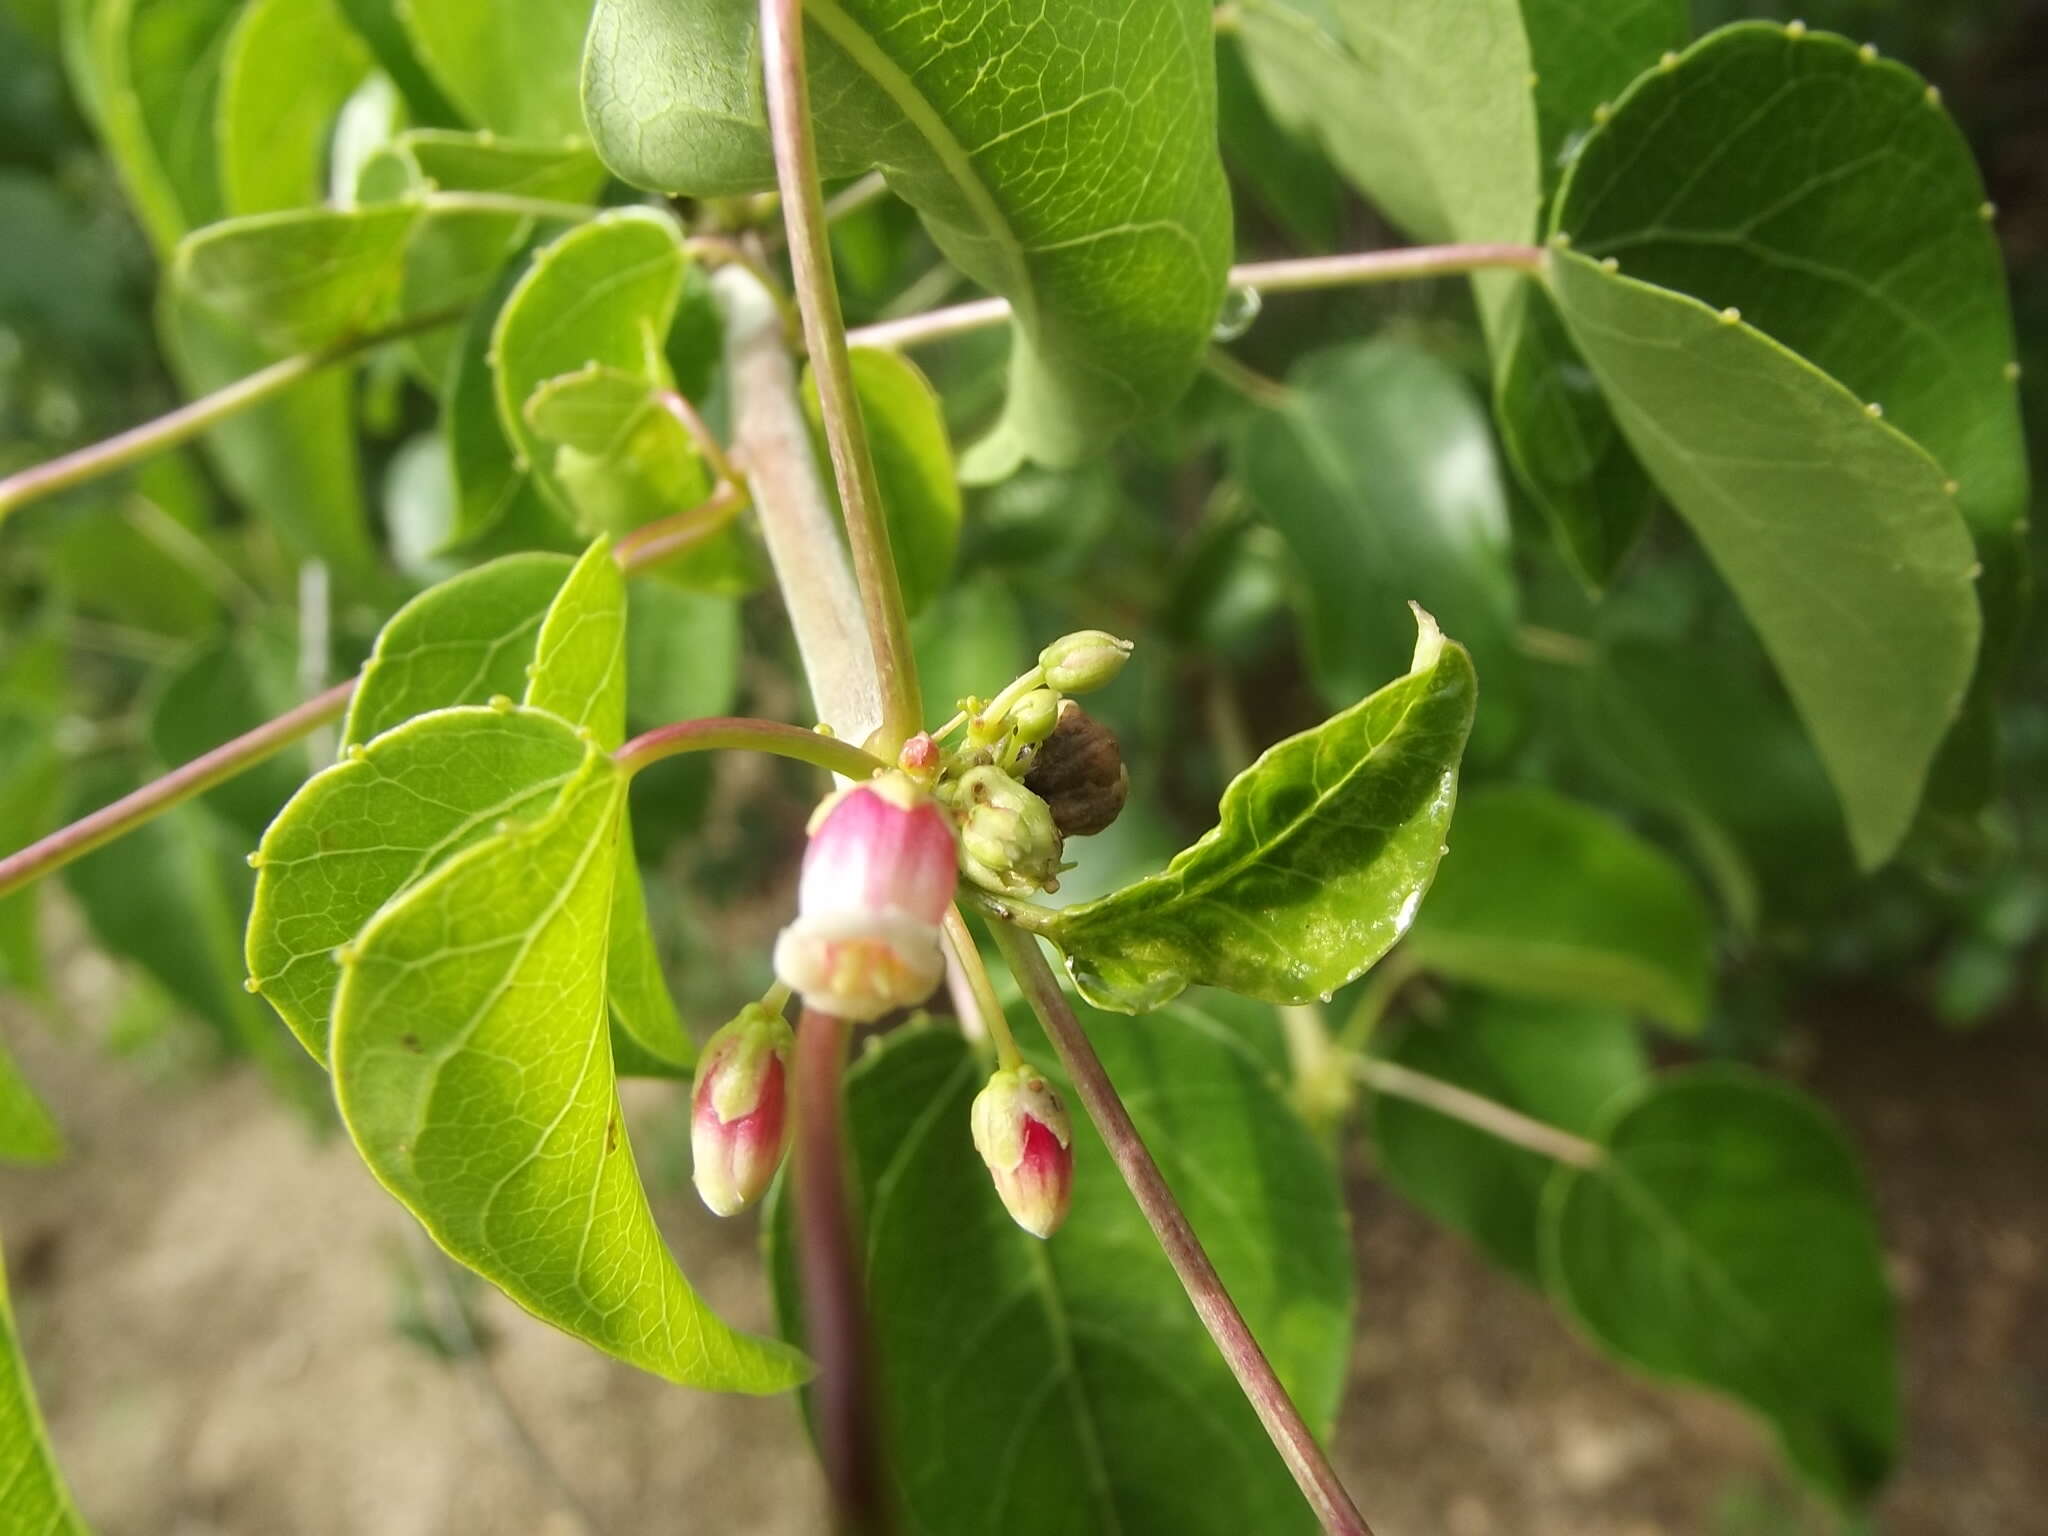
{"x": 1116, "y": 267}
{"x": 30, "y": 796}
{"x": 1559, "y": 1063}
{"x": 1545, "y": 896}
{"x": 376, "y": 23}
{"x": 683, "y": 654}
{"x": 37, "y": 1499}
{"x": 1320, "y": 857}
{"x": 1728, "y": 1240}
{"x": 913, "y": 466}
{"x": 1860, "y": 588}
{"x": 1379, "y": 471}
{"x": 472, "y": 1062}
{"x": 232, "y": 684}
{"x": 1024, "y": 1383}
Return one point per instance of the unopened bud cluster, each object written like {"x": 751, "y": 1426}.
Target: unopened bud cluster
{"x": 739, "y": 1122}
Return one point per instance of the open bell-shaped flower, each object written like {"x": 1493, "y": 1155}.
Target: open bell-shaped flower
{"x": 739, "y": 1127}
{"x": 878, "y": 876}
{"x": 1022, "y": 1132}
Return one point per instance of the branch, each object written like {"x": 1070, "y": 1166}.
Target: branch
{"x": 189, "y": 420}
{"x": 1295, "y": 276}
{"x": 831, "y": 1265}
{"x": 721, "y": 733}
{"x": 1305, "y": 1459}
{"x": 810, "y": 257}
{"x": 1461, "y": 1104}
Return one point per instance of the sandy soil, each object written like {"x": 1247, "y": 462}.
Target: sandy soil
{"x": 208, "y": 1295}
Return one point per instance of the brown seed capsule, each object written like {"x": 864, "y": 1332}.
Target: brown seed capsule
{"x": 1079, "y": 772}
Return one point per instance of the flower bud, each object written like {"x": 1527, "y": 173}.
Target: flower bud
{"x": 1022, "y": 1132}
{"x": 1083, "y": 661}
{"x": 878, "y": 876}
{"x": 1079, "y": 772}
{"x": 1006, "y": 834}
{"x": 738, "y": 1127}
{"x": 1034, "y": 716}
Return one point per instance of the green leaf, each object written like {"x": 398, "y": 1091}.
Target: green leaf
{"x": 1024, "y": 1383}
{"x": 1116, "y": 267}
{"x": 232, "y": 684}
{"x": 913, "y": 466}
{"x": 1270, "y": 161}
{"x": 1379, "y": 471}
{"x": 30, "y": 797}
{"x": 376, "y": 23}
{"x": 463, "y": 642}
{"x": 149, "y": 74}
{"x": 1728, "y": 1240}
{"x": 1320, "y": 857}
{"x": 1866, "y": 252}
{"x": 289, "y": 66}
{"x": 579, "y": 659}
{"x": 37, "y": 1499}
{"x": 370, "y": 827}
{"x": 1559, "y": 1063}
{"x": 301, "y": 279}
{"x": 1861, "y": 588}
{"x": 511, "y": 69}
{"x": 604, "y": 293}
{"x": 496, "y": 504}
{"x": 28, "y": 1137}
{"x": 1551, "y": 898}
{"x": 1583, "y": 59}
{"x": 473, "y": 1067}
{"x": 682, "y": 654}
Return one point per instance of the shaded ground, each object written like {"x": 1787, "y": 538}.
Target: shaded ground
{"x": 208, "y": 1299}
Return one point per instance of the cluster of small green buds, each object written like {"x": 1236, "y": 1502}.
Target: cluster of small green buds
{"x": 1084, "y": 661}
{"x": 739, "y": 1125}
{"x": 1022, "y": 1132}
{"x": 1032, "y": 717}
{"x": 1008, "y": 842}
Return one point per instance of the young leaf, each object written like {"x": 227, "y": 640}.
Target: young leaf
{"x": 579, "y": 659}
{"x": 1115, "y": 267}
{"x": 1024, "y": 1383}
{"x": 290, "y": 64}
{"x": 604, "y": 294}
{"x": 373, "y": 825}
{"x": 1319, "y": 859}
{"x": 300, "y": 279}
{"x": 28, "y": 1136}
{"x": 913, "y": 466}
{"x": 1727, "y": 1239}
{"x": 37, "y": 1499}
{"x": 1559, "y": 1063}
{"x": 1860, "y": 587}
{"x": 473, "y": 1067}
{"x": 511, "y": 69}
{"x": 1379, "y": 471}
{"x": 461, "y": 642}
{"x": 1544, "y": 896}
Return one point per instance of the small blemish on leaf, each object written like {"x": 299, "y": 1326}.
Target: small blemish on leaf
{"x": 611, "y": 1134}
{"x": 411, "y": 1043}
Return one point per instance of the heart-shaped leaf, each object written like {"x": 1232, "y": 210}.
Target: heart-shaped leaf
{"x": 1024, "y": 1383}
{"x": 1115, "y": 267}
{"x": 1727, "y": 1239}
{"x": 1320, "y": 857}
{"x": 472, "y": 1062}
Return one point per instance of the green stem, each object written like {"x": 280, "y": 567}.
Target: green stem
{"x": 1394, "y": 972}
{"x": 1296, "y": 276}
{"x": 990, "y": 1008}
{"x": 1485, "y": 1114}
{"x": 723, "y": 733}
{"x": 1283, "y": 1421}
{"x": 810, "y": 255}
{"x": 189, "y": 420}
{"x": 503, "y": 202}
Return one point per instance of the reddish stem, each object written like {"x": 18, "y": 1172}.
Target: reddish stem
{"x": 830, "y": 1265}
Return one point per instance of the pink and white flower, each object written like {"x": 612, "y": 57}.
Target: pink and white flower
{"x": 739, "y": 1122}
{"x": 878, "y": 876}
{"x": 1022, "y": 1132}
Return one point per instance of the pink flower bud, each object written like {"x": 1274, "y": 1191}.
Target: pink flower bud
{"x": 878, "y": 876}
{"x": 738, "y": 1125}
{"x": 1022, "y": 1132}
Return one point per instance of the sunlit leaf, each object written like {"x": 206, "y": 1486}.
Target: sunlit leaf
{"x": 1115, "y": 264}
{"x": 1320, "y": 857}
{"x": 289, "y": 66}
{"x": 472, "y": 1061}
{"x": 511, "y": 69}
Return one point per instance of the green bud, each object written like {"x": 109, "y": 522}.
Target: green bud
{"x": 1084, "y": 661}
{"x": 1034, "y": 715}
{"x": 1007, "y": 837}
